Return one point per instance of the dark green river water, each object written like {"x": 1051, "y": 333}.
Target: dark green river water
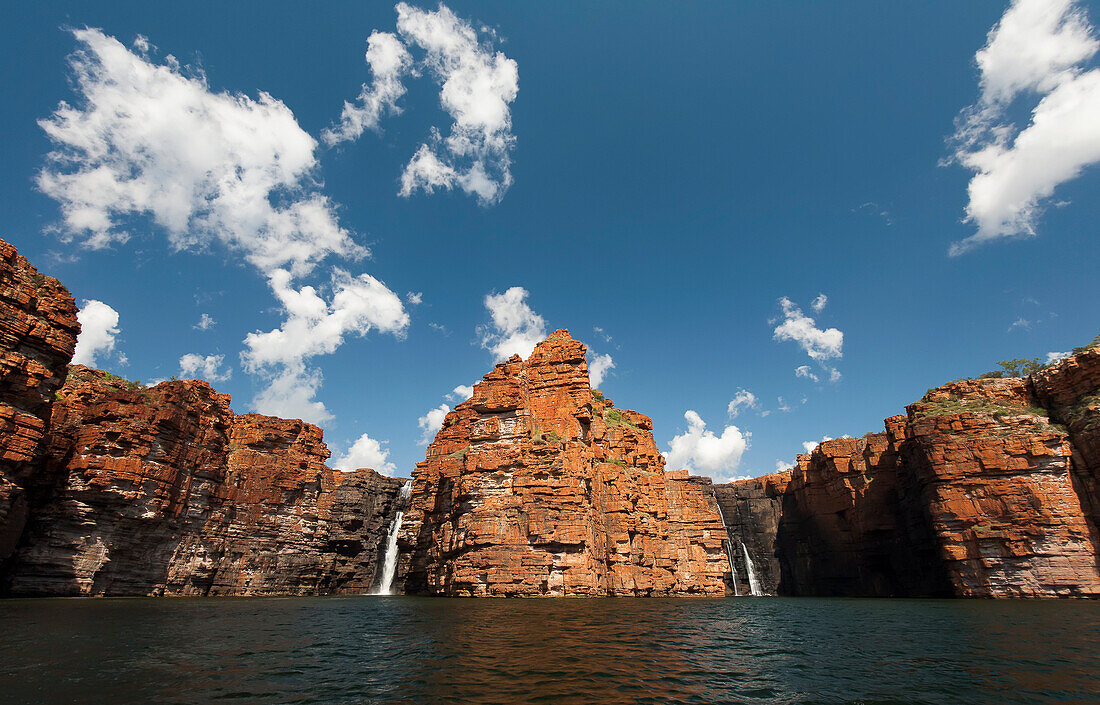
{"x": 403, "y": 649}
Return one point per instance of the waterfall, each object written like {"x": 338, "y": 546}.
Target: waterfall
{"x": 727, "y": 545}
{"x": 389, "y": 564}
{"x": 754, "y": 582}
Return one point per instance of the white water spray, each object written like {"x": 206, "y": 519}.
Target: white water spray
{"x": 728, "y": 546}
{"x": 389, "y": 564}
{"x": 754, "y": 582}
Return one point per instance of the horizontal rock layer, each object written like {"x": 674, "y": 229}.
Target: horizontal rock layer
{"x": 979, "y": 492}
{"x": 111, "y": 488}
{"x": 38, "y": 330}
{"x": 538, "y": 485}
{"x": 164, "y": 490}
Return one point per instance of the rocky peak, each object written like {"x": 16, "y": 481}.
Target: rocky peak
{"x": 538, "y": 485}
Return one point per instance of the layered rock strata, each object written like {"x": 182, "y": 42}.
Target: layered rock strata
{"x": 752, "y": 510}
{"x": 165, "y": 491}
{"x": 111, "y": 488}
{"x": 538, "y": 485}
{"x": 1070, "y": 390}
{"x": 38, "y": 330}
{"x": 977, "y": 492}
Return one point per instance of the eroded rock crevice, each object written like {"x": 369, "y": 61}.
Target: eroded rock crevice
{"x": 538, "y": 485}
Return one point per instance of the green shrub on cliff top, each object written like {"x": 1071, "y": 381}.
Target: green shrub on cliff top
{"x": 1084, "y": 413}
{"x": 1094, "y": 344}
{"x": 614, "y": 417}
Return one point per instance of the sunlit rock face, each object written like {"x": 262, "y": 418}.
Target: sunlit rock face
{"x": 38, "y": 330}
{"x": 979, "y": 491}
{"x": 538, "y": 485}
{"x": 164, "y": 490}
{"x": 108, "y": 487}
{"x": 1070, "y": 390}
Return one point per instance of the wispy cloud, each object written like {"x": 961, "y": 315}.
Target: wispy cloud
{"x": 742, "y": 399}
{"x": 206, "y": 322}
{"x": 477, "y": 86}
{"x": 820, "y": 344}
{"x": 389, "y": 61}
{"x": 1038, "y": 48}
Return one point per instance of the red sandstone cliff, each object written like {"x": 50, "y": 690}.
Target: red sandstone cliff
{"x": 38, "y": 330}
{"x": 111, "y": 488}
{"x": 1070, "y": 389}
{"x": 537, "y": 485}
{"x": 164, "y": 490}
{"x": 977, "y": 492}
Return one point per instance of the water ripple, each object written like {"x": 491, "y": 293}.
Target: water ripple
{"x": 418, "y": 650}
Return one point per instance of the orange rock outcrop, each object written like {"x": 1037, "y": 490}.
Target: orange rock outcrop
{"x": 38, "y": 330}
{"x": 977, "y": 492}
{"x": 165, "y": 491}
{"x": 538, "y": 485}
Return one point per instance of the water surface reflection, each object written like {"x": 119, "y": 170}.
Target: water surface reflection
{"x": 394, "y": 649}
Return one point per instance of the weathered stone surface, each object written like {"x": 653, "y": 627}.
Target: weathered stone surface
{"x": 538, "y": 485}
{"x": 38, "y": 330}
{"x": 973, "y": 494}
{"x": 752, "y": 510}
{"x": 994, "y": 476}
{"x": 1070, "y": 390}
{"x": 164, "y": 490}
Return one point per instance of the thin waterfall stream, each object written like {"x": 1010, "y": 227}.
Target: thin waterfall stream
{"x": 728, "y": 546}
{"x": 754, "y": 582}
{"x": 389, "y": 563}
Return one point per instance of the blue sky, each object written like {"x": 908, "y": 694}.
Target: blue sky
{"x": 658, "y": 179}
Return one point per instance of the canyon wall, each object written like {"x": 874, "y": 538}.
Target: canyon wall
{"x": 108, "y": 487}
{"x": 538, "y": 485}
{"x": 38, "y": 330}
{"x": 979, "y": 491}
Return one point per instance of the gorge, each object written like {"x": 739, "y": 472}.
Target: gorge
{"x": 536, "y": 485}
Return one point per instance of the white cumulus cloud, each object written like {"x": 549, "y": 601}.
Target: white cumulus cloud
{"x": 98, "y": 329}
{"x": 598, "y": 367}
{"x": 316, "y": 326}
{"x": 1039, "y": 48}
{"x": 153, "y": 140}
{"x": 810, "y": 445}
{"x": 699, "y": 450}
{"x": 1056, "y": 356}
{"x": 366, "y": 452}
{"x": 431, "y": 422}
{"x": 461, "y": 393}
{"x": 819, "y": 303}
{"x": 477, "y": 86}
{"x": 194, "y": 366}
{"x": 514, "y": 328}
{"x": 743, "y": 399}
{"x": 819, "y": 344}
